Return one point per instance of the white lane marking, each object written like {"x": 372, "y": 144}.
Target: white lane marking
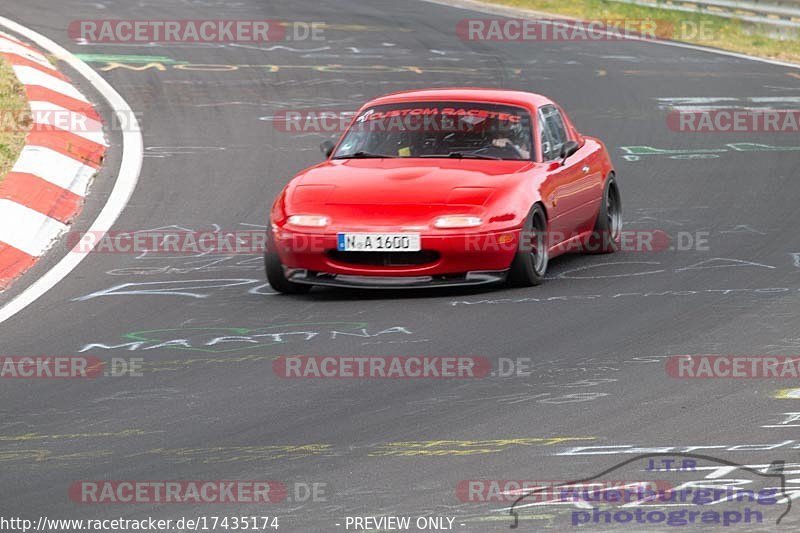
{"x": 11, "y": 47}
{"x": 507, "y": 11}
{"x": 26, "y": 229}
{"x": 59, "y": 169}
{"x": 5, "y": 35}
{"x": 32, "y": 76}
{"x": 127, "y": 178}
{"x": 50, "y": 114}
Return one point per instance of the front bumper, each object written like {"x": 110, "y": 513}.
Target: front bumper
{"x": 394, "y": 282}
{"x": 454, "y": 259}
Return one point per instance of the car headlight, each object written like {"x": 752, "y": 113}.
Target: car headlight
{"x": 457, "y": 221}
{"x": 311, "y": 221}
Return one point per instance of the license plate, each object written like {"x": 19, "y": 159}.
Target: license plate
{"x": 378, "y": 242}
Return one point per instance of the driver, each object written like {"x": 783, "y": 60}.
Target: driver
{"x": 524, "y": 150}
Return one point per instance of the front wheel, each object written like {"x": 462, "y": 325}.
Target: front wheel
{"x": 607, "y": 234}
{"x": 277, "y": 277}
{"x": 530, "y": 263}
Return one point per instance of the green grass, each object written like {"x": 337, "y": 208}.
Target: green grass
{"x": 14, "y": 118}
{"x": 718, "y": 32}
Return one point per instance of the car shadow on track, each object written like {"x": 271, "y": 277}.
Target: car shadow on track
{"x": 336, "y": 294}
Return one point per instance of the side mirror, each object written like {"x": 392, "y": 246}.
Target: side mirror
{"x": 569, "y": 148}
{"x": 327, "y": 147}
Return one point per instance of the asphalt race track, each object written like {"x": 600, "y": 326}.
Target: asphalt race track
{"x": 597, "y": 333}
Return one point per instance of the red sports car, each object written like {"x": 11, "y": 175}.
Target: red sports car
{"x": 445, "y": 187}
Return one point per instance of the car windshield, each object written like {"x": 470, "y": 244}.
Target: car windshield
{"x": 464, "y": 130}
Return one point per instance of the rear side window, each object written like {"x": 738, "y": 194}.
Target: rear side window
{"x": 553, "y": 132}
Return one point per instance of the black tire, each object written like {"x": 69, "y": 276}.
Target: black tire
{"x": 607, "y": 234}
{"x": 530, "y": 264}
{"x": 277, "y": 278}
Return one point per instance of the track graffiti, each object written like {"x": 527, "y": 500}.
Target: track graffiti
{"x": 223, "y": 340}
{"x": 161, "y": 64}
{"x": 193, "y": 288}
{"x": 680, "y": 293}
{"x": 636, "y": 153}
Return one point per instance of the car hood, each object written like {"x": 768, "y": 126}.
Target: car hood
{"x": 406, "y": 182}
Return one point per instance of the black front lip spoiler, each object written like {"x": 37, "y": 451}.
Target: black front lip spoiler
{"x": 468, "y": 279}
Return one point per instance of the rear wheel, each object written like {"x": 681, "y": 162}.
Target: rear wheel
{"x": 605, "y": 238}
{"x": 277, "y": 277}
{"x": 530, "y": 263}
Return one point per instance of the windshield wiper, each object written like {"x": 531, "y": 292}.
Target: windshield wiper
{"x": 463, "y": 155}
{"x": 365, "y": 155}
{"x": 471, "y": 155}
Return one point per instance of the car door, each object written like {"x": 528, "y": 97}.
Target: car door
{"x": 569, "y": 188}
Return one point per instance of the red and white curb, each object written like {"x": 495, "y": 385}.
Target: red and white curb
{"x": 45, "y": 189}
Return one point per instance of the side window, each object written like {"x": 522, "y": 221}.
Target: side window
{"x": 553, "y": 130}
